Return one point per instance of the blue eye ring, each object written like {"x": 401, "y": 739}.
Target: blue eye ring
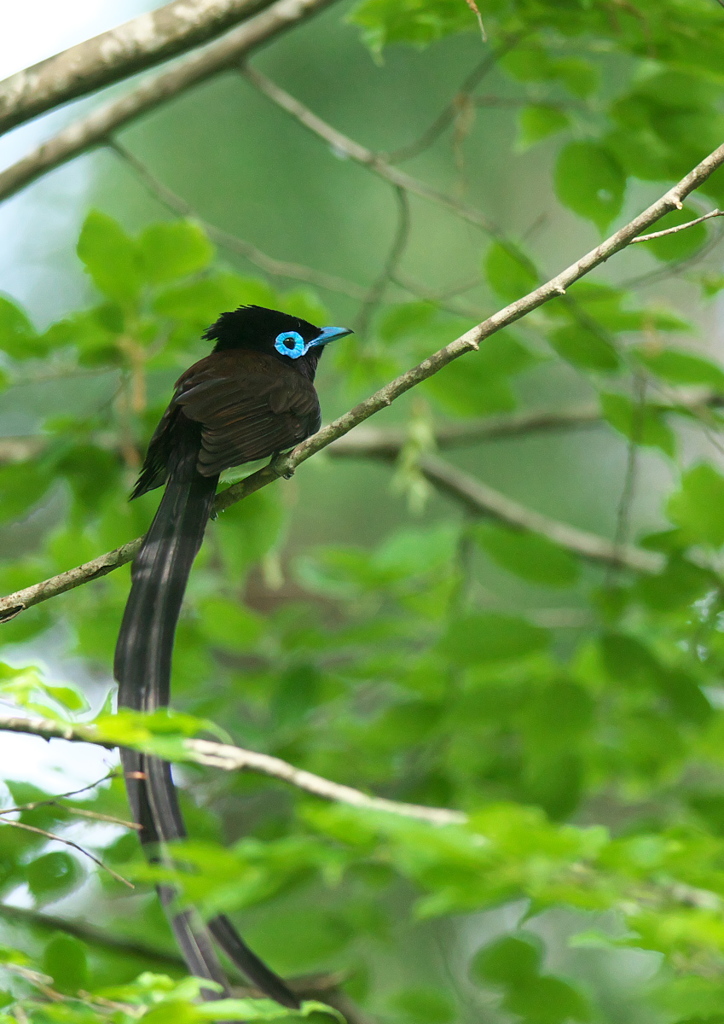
{"x": 291, "y": 344}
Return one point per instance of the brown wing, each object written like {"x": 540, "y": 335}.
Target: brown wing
{"x": 247, "y": 409}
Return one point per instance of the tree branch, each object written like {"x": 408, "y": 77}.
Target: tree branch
{"x": 229, "y": 758}
{"x": 87, "y": 933}
{"x": 448, "y": 114}
{"x": 480, "y": 498}
{"x": 112, "y": 56}
{"x": 94, "y": 129}
{"x": 232, "y": 243}
{"x": 347, "y": 147}
{"x": 468, "y": 342}
{"x": 74, "y": 846}
{"x": 678, "y": 227}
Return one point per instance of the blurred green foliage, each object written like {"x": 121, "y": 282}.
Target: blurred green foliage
{"x": 573, "y": 713}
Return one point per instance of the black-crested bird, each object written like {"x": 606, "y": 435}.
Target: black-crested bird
{"x": 251, "y": 398}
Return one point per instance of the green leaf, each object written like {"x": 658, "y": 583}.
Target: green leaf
{"x": 172, "y": 250}
{"x": 680, "y": 245}
{"x": 416, "y": 22}
{"x": 424, "y": 1005}
{"x": 509, "y": 961}
{"x": 512, "y": 275}
{"x": 200, "y": 302}
{"x": 538, "y": 122}
{"x": 489, "y": 637}
{"x": 580, "y": 77}
{"x": 698, "y": 507}
{"x": 642, "y": 424}
{"x": 110, "y": 257}
{"x": 677, "y": 586}
{"x": 589, "y": 180}
{"x": 585, "y": 349}
{"x": 548, "y": 1000}
{"x": 65, "y": 959}
{"x": 528, "y": 555}
{"x": 678, "y": 367}
{"x": 18, "y": 337}
{"x": 53, "y": 875}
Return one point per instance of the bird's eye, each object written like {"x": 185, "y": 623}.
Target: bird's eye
{"x": 290, "y": 343}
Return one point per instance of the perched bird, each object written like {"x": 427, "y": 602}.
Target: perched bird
{"x": 251, "y": 398}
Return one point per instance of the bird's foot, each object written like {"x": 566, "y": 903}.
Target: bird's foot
{"x": 277, "y": 467}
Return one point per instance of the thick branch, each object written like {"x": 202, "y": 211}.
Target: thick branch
{"x": 94, "y": 129}
{"x": 223, "y": 755}
{"x": 112, "y": 56}
{"x": 468, "y": 342}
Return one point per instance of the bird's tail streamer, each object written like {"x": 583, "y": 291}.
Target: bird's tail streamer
{"x": 143, "y": 670}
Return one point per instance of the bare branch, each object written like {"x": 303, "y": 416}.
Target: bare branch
{"x": 397, "y": 250}
{"x": 94, "y": 129}
{"x": 483, "y": 500}
{"x": 679, "y": 227}
{"x": 468, "y": 342}
{"x": 87, "y": 933}
{"x": 223, "y": 755}
{"x": 344, "y": 146}
{"x": 448, "y": 114}
{"x": 275, "y": 268}
{"x": 112, "y": 56}
{"x": 74, "y": 846}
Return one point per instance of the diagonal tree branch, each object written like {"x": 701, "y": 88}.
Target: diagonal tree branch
{"x": 231, "y": 759}
{"x": 112, "y": 56}
{"x": 480, "y": 499}
{"x": 94, "y": 129}
{"x": 88, "y": 933}
{"x": 468, "y": 342}
{"x": 342, "y": 144}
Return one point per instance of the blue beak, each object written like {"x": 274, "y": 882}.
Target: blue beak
{"x": 330, "y": 334}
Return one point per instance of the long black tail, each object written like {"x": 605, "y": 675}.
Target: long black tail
{"x": 143, "y": 671}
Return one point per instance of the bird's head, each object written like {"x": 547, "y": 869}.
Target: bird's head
{"x": 275, "y": 333}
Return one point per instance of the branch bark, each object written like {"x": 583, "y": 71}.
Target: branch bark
{"x": 112, "y": 56}
{"x": 468, "y": 342}
{"x": 486, "y": 501}
{"x": 94, "y": 129}
{"x": 229, "y": 758}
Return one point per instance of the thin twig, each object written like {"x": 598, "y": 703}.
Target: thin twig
{"x": 623, "y": 515}
{"x": 74, "y": 846}
{"x": 399, "y": 243}
{"x": 61, "y": 796}
{"x": 447, "y": 115}
{"x": 229, "y": 758}
{"x": 346, "y": 147}
{"x": 92, "y": 130}
{"x": 468, "y": 342}
{"x": 275, "y": 268}
{"x": 679, "y": 227}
